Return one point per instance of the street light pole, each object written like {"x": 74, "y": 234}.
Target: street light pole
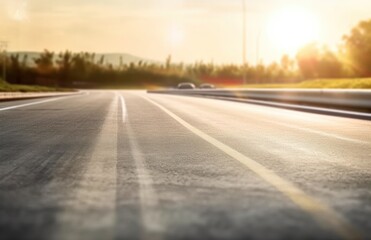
{"x": 3, "y": 47}
{"x": 258, "y": 48}
{"x": 244, "y": 41}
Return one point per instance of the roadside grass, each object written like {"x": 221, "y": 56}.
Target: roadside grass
{"x": 6, "y": 87}
{"x": 343, "y": 83}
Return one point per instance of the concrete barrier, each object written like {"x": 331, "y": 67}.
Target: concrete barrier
{"x": 348, "y": 99}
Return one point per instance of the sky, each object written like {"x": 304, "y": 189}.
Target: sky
{"x": 188, "y": 30}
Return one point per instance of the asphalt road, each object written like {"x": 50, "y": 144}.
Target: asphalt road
{"x": 131, "y": 165}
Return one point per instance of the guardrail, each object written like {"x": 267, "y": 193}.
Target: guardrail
{"x": 343, "y": 99}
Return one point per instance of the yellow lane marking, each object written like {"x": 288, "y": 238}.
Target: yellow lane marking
{"x": 324, "y": 215}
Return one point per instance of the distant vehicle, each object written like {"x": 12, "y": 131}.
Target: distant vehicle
{"x": 207, "y": 86}
{"x": 186, "y": 85}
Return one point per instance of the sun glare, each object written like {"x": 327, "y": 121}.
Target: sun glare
{"x": 292, "y": 28}
{"x": 176, "y": 36}
{"x": 17, "y": 10}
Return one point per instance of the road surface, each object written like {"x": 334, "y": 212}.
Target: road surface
{"x": 131, "y": 165}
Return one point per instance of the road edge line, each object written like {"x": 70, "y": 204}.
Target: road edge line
{"x": 39, "y": 102}
{"x": 320, "y": 212}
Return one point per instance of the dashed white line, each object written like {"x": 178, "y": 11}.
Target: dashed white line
{"x": 123, "y": 109}
{"x": 147, "y": 195}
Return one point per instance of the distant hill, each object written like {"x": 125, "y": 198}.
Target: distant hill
{"x": 109, "y": 58}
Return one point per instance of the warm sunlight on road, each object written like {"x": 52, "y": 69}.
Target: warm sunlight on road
{"x": 292, "y": 27}
{"x": 185, "y": 119}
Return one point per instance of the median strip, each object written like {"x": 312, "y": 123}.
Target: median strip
{"x": 323, "y": 214}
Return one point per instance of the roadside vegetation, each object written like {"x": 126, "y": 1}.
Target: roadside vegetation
{"x": 6, "y": 87}
{"x": 348, "y": 66}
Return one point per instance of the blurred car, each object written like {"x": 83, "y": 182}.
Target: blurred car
{"x": 207, "y": 86}
{"x": 186, "y": 85}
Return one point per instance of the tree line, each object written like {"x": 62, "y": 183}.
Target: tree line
{"x": 84, "y": 70}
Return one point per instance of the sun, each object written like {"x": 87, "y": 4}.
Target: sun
{"x": 293, "y": 27}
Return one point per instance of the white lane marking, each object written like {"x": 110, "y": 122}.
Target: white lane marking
{"x": 317, "y": 132}
{"x": 325, "y": 216}
{"x": 123, "y": 109}
{"x": 35, "y": 103}
{"x": 147, "y": 195}
{"x": 330, "y": 135}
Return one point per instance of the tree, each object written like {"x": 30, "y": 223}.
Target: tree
{"x": 329, "y": 65}
{"x": 316, "y": 62}
{"x": 64, "y": 63}
{"x": 44, "y": 62}
{"x": 168, "y": 62}
{"x": 15, "y": 69}
{"x": 358, "y": 48}
{"x": 287, "y": 64}
{"x": 308, "y": 58}
{"x": 101, "y": 61}
{"x": 25, "y": 61}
